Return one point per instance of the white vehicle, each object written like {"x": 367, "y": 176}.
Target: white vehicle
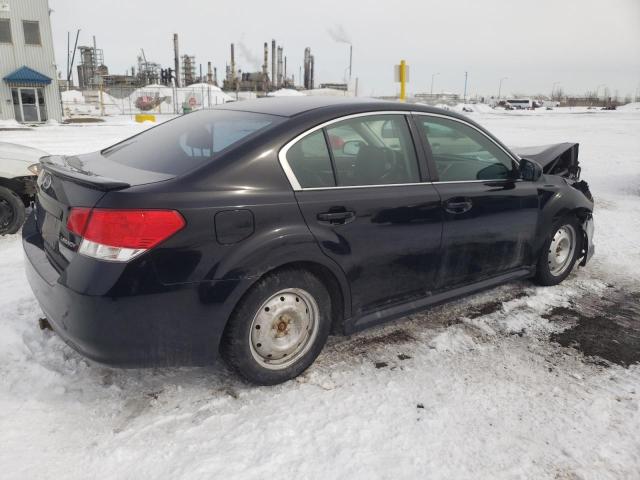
{"x": 18, "y": 172}
{"x": 521, "y": 103}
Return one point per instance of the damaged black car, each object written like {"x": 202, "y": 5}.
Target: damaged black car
{"x": 255, "y": 229}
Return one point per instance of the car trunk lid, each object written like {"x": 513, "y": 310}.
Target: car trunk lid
{"x": 66, "y": 182}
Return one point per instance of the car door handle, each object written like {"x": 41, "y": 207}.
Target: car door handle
{"x": 457, "y": 206}
{"x": 337, "y": 218}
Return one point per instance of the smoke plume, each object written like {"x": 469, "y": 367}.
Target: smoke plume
{"x": 339, "y": 34}
{"x": 253, "y": 60}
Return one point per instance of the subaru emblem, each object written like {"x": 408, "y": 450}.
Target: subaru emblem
{"x": 45, "y": 180}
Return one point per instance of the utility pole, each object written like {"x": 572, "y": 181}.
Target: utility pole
{"x": 176, "y": 59}
{"x": 466, "y": 74}
{"x": 553, "y": 88}
{"x": 500, "y": 86}
{"x": 432, "y": 77}
{"x": 68, "y": 53}
{"x": 598, "y": 89}
{"x": 73, "y": 58}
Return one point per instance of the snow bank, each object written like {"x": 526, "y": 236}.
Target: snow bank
{"x": 331, "y": 92}
{"x": 630, "y": 107}
{"x": 72, "y": 96}
{"x": 286, "y": 92}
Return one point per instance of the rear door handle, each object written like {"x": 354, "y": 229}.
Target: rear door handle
{"x": 457, "y": 206}
{"x": 337, "y": 218}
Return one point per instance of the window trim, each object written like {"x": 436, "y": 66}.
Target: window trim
{"x": 24, "y": 33}
{"x": 513, "y": 157}
{"x": 10, "y": 42}
{"x": 282, "y": 154}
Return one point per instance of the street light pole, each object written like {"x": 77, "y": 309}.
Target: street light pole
{"x": 466, "y": 74}
{"x": 432, "y": 77}
{"x": 500, "y": 86}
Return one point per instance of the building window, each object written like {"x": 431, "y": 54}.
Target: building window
{"x": 31, "y": 32}
{"x": 5, "y": 30}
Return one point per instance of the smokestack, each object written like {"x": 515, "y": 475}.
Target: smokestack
{"x": 350, "y": 60}
{"x": 279, "y": 67}
{"x": 265, "y": 62}
{"x": 209, "y": 73}
{"x": 215, "y": 76}
{"x": 176, "y": 59}
{"x": 307, "y": 68}
{"x": 274, "y": 74}
{"x": 232, "y": 72}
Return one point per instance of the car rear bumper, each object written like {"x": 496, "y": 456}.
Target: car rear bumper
{"x": 181, "y": 325}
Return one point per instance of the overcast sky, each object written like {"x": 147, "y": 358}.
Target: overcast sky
{"x": 579, "y": 43}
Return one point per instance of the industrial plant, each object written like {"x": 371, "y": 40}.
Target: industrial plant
{"x": 93, "y": 73}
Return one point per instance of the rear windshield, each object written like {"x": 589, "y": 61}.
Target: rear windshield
{"x": 178, "y": 146}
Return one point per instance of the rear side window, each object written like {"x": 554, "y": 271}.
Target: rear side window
{"x": 309, "y": 159}
{"x": 178, "y": 146}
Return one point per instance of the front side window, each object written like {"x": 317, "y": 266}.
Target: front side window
{"x": 462, "y": 153}
{"x": 373, "y": 150}
{"x": 31, "y": 32}
{"x": 5, "y": 30}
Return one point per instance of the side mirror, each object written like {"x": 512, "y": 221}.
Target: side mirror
{"x": 530, "y": 170}
{"x": 351, "y": 147}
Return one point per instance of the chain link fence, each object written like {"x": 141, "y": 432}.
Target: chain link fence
{"x": 151, "y": 99}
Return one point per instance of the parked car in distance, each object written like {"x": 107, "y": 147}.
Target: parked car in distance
{"x": 257, "y": 228}
{"x": 18, "y": 170}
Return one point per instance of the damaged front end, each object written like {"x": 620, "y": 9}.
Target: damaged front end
{"x": 561, "y": 159}
{"x": 557, "y": 159}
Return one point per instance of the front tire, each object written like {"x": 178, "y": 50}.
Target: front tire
{"x": 560, "y": 252}
{"x": 279, "y": 327}
{"x": 12, "y": 211}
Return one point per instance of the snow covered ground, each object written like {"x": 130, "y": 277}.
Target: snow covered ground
{"x": 481, "y": 388}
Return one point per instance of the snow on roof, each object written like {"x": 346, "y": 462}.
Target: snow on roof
{"x": 213, "y": 88}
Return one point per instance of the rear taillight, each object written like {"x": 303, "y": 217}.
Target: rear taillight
{"x": 121, "y": 235}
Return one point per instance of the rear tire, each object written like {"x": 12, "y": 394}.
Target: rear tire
{"x": 279, "y": 327}
{"x": 12, "y": 211}
{"x": 559, "y": 253}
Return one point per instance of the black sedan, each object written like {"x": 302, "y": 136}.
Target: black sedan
{"x": 257, "y": 228}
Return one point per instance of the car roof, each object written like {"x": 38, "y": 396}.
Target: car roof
{"x": 292, "y": 106}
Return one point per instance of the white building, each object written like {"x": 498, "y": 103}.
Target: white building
{"x": 28, "y": 83}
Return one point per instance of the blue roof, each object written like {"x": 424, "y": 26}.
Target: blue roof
{"x": 27, "y": 75}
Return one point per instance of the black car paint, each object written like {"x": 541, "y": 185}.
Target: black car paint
{"x": 170, "y": 305}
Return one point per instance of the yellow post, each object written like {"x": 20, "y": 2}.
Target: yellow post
{"x": 403, "y": 80}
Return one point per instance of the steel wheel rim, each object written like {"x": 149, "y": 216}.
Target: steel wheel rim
{"x": 561, "y": 250}
{"x": 6, "y": 213}
{"x": 284, "y": 328}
